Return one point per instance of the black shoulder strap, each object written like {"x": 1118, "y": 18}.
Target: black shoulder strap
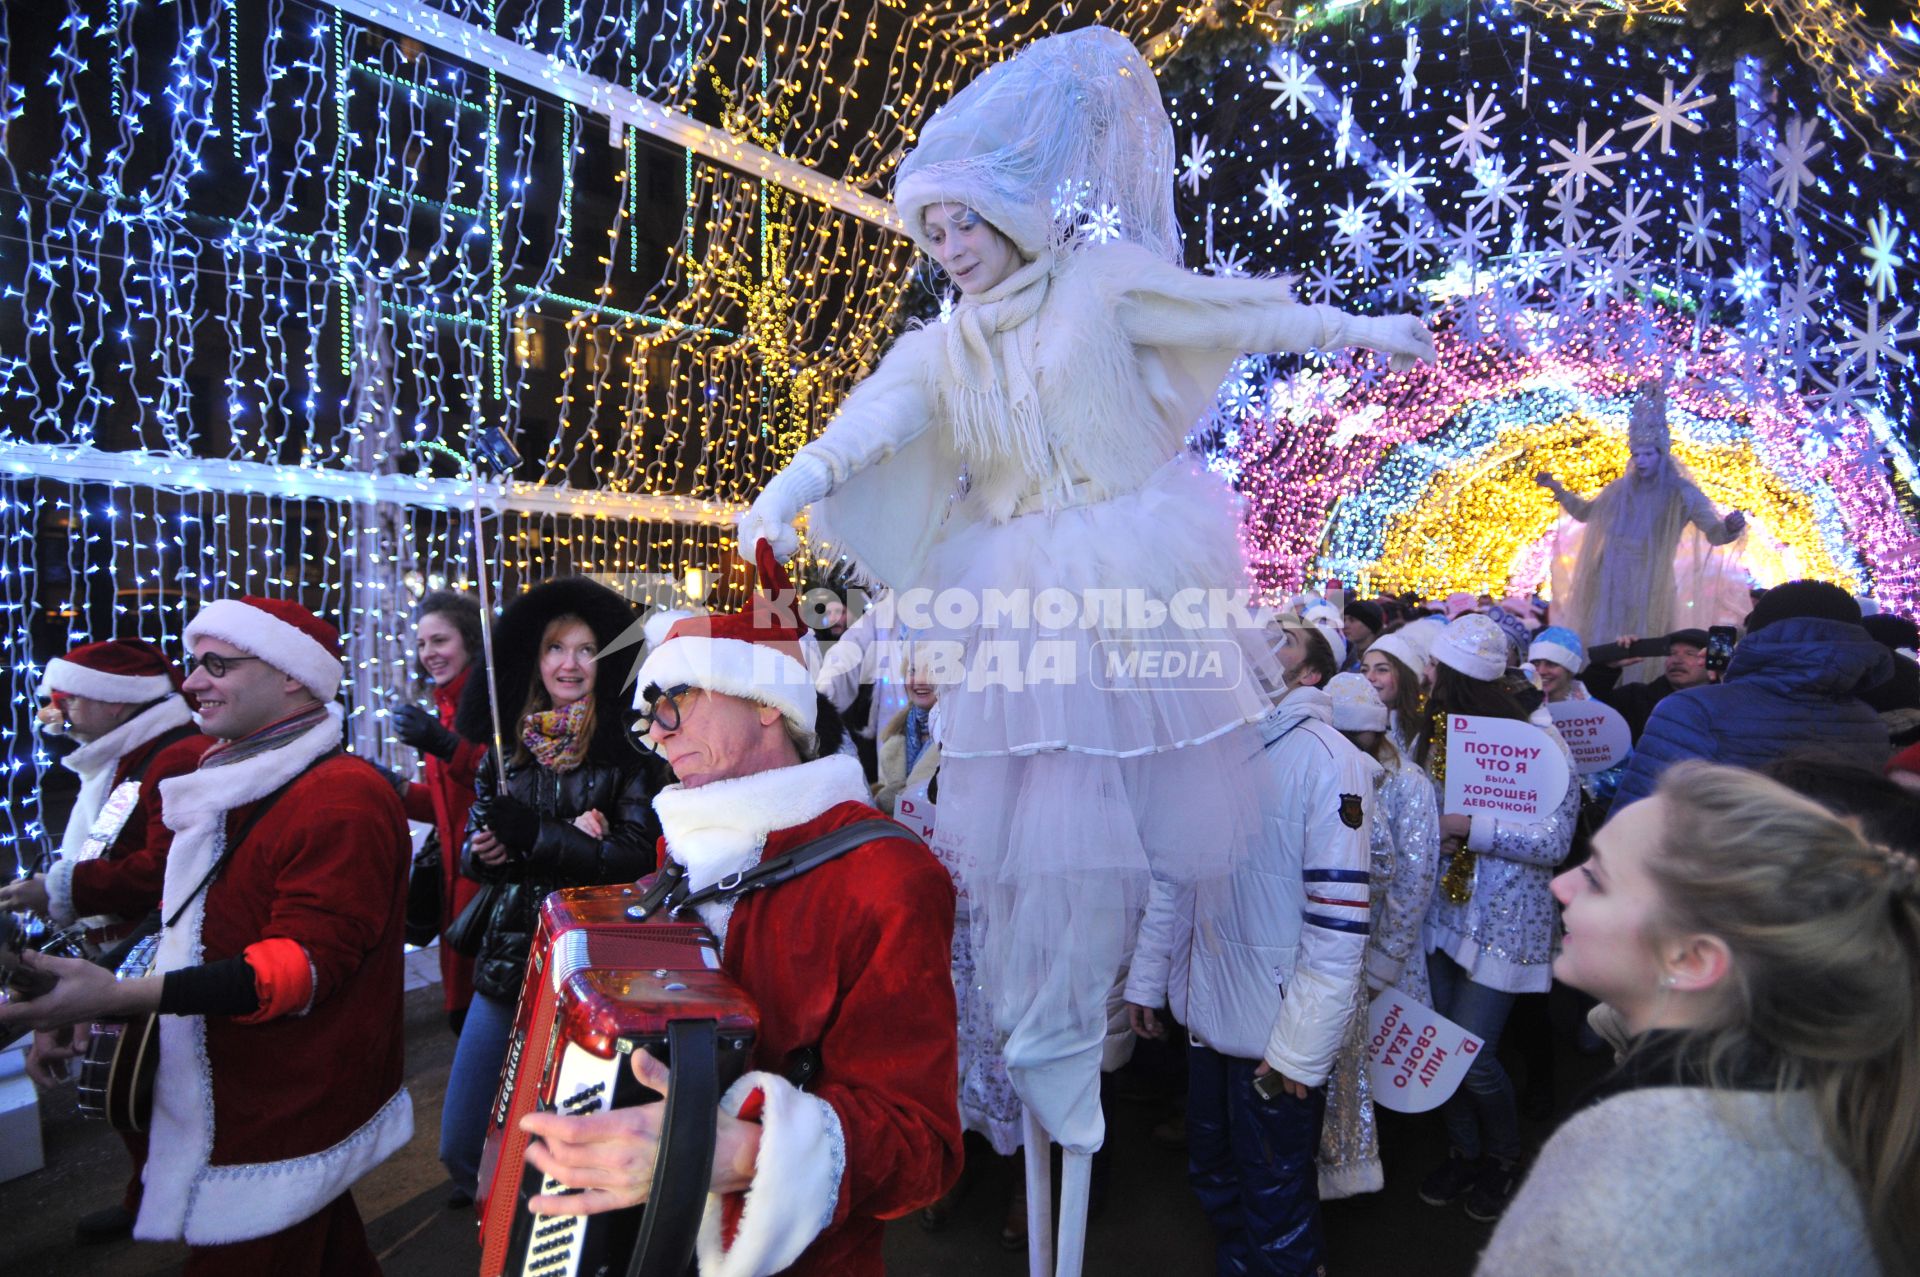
{"x": 668, "y": 888}
{"x": 172, "y": 736}
{"x": 246, "y": 827}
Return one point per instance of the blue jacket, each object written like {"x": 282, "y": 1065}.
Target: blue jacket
{"x": 1794, "y": 685}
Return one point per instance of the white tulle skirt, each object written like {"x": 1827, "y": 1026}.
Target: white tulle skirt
{"x": 1098, "y": 743}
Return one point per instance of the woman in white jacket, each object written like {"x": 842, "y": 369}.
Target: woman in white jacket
{"x": 1063, "y": 383}
{"x": 1491, "y": 924}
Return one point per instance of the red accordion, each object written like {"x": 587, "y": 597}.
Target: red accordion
{"x": 602, "y": 983}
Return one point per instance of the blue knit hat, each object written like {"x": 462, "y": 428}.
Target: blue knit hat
{"x": 1560, "y": 645}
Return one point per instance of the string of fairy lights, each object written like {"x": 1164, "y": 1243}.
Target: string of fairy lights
{"x": 275, "y": 237}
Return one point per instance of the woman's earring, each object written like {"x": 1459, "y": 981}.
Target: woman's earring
{"x": 1666, "y": 981}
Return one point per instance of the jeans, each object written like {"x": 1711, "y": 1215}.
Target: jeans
{"x": 471, "y": 1086}
{"x": 1482, "y": 1117}
{"x": 1252, "y": 1164}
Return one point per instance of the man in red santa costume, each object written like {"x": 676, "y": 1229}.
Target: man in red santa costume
{"x": 120, "y": 699}
{"x": 278, "y": 976}
{"x": 849, "y": 960}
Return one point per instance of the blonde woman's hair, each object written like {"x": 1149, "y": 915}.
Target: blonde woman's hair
{"x": 538, "y": 700}
{"x": 1823, "y": 927}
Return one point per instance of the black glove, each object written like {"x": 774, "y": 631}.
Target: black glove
{"x": 515, "y": 824}
{"x": 416, "y": 727}
{"x": 400, "y": 783}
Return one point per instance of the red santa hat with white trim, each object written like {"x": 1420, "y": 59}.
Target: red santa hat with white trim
{"x": 124, "y": 671}
{"x": 755, "y": 654}
{"x": 282, "y": 633}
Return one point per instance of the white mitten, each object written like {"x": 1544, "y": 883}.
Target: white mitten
{"x": 804, "y": 481}
{"x": 1403, "y": 338}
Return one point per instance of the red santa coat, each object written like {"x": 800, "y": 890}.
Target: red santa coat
{"x": 851, "y": 958}
{"x": 258, "y": 1126}
{"x": 444, "y": 800}
{"x": 122, "y": 881}
{"x": 126, "y": 880}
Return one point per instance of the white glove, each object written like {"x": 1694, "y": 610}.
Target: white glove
{"x": 1403, "y": 338}
{"x": 805, "y": 480}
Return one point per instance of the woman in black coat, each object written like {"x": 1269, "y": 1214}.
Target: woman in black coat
{"x": 576, "y": 811}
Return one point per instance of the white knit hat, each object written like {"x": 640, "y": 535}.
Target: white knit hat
{"x": 280, "y": 632}
{"x": 1402, "y": 649}
{"x": 1356, "y": 706}
{"x": 1473, "y": 645}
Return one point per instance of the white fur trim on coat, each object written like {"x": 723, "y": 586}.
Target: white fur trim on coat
{"x": 735, "y": 667}
{"x": 63, "y": 675}
{"x": 802, "y": 1159}
{"x": 60, "y": 892}
{"x": 185, "y": 1198}
{"x": 271, "y": 639}
{"x": 96, "y": 762}
{"x": 239, "y": 1203}
{"x": 721, "y": 827}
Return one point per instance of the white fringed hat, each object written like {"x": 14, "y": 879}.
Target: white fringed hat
{"x": 755, "y": 654}
{"x": 282, "y": 633}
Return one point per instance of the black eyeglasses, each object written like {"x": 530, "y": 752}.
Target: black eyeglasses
{"x": 215, "y": 666}
{"x": 662, "y": 708}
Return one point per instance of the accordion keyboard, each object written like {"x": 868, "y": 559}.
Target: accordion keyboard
{"x": 585, "y": 1085}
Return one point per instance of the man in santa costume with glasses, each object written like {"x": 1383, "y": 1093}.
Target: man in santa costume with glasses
{"x": 119, "y": 701}
{"x": 848, "y": 963}
{"x": 278, "y": 975}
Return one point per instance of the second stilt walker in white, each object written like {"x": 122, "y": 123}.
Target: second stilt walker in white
{"x": 1063, "y": 385}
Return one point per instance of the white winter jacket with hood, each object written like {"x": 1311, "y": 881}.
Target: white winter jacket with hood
{"x": 1266, "y": 963}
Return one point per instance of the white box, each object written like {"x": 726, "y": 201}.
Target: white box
{"x": 21, "y": 1152}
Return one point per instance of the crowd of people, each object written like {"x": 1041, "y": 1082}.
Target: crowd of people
{"x": 1740, "y": 908}
{"x": 1085, "y": 852}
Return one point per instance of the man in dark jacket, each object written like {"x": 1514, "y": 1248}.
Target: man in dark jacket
{"x": 1794, "y": 684}
{"x": 1686, "y": 666}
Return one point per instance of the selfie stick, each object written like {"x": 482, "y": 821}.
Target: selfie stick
{"x": 492, "y": 452}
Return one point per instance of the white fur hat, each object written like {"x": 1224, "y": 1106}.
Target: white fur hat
{"x": 1356, "y": 706}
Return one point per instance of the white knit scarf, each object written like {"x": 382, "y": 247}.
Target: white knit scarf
{"x": 992, "y": 400}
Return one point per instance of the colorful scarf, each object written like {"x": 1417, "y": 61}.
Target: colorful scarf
{"x": 552, "y": 736}
{"x": 272, "y": 736}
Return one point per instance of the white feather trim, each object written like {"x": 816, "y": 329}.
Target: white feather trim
{"x": 801, "y": 1162}
{"x": 721, "y": 828}
{"x": 293, "y": 653}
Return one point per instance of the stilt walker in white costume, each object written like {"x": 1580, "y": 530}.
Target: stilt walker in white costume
{"x": 1063, "y": 384}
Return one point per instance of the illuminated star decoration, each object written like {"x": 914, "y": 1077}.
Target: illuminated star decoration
{"x": 1294, "y": 84}
{"x": 1630, "y": 218}
{"x": 1104, "y": 225}
{"x": 1276, "y": 196}
{"x": 1880, "y": 255}
{"x": 1868, "y": 343}
{"x": 1670, "y": 111}
{"x": 1473, "y": 132}
{"x": 1793, "y": 156}
{"x": 1698, "y": 229}
{"x": 1408, "y": 81}
{"x": 1582, "y": 163}
{"x": 1197, "y": 164}
{"x": 1343, "y": 133}
{"x": 1495, "y": 186}
{"x": 1400, "y": 181}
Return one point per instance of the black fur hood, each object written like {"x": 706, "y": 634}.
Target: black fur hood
{"x": 515, "y": 639}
